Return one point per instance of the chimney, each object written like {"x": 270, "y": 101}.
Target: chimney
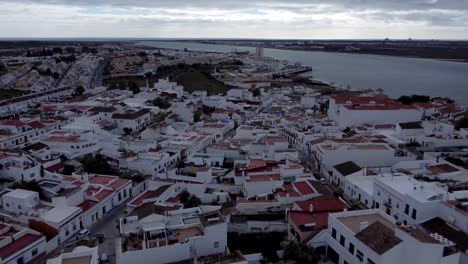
{"x": 363, "y": 225}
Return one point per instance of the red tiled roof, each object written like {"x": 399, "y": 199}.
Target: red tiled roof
{"x": 289, "y": 194}
{"x": 17, "y": 245}
{"x": 303, "y": 188}
{"x": 12, "y": 122}
{"x": 118, "y": 184}
{"x": 256, "y": 163}
{"x": 263, "y": 178}
{"x": 102, "y": 179}
{"x": 56, "y": 167}
{"x": 36, "y": 124}
{"x": 272, "y": 140}
{"x": 301, "y": 218}
{"x": 64, "y": 139}
{"x": 255, "y": 201}
{"x": 174, "y": 199}
{"x": 322, "y": 205}
{"x": 86, "y": 205}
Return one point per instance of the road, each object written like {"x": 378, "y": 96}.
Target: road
{"x": 108, "y": 227}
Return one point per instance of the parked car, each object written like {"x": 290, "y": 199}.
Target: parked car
{"x": 104, "y": 259}
{"x": 83, "y": 233}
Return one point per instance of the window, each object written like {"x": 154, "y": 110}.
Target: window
{"x": 216, "y": 244}
{"x": 334, "y": 233}
{"x": 34, "y": 252}
{"x": 359, "y": 255}
{"x": 406, "y": 209}
{"x": 342, "y": 240}
{"x": 413, "y": 214}
{"x": 369, "y": 261}
{"x": 351, "y": 248}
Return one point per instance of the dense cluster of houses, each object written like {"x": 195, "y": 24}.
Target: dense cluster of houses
{"x": 357, "y": 178}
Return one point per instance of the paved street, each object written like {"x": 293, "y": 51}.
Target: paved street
{"x": 108, "y": 227}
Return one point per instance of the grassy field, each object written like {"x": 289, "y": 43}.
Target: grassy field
{"x": 193, "y": 78}
{"x": 140, "y": 80}
{"x": 10, "y": 93}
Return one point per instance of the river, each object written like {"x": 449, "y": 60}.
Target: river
{"x": 395, "y": 75}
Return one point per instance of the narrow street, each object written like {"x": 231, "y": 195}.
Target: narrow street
{"x": 108, "y": 227}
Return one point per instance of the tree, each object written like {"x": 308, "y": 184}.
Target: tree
{"x": 414, "y": 99}
{"x": 148, "y": 75}
{"x": 68, "y": 169}
{"x": 57, "y": 50}
{"x": 196, "y": 117}
{"x": 113, "y": 86}
{"x": 256, "y": 92}
{"x": 133, "y": 86}
{"x": 315, "y": 108}
{"x": 184, "y": 196}
{"x": 97, "y": 164}
{"x": 463, "y": 123}
{"x": 161, "y": 103}
{"x": 70, "y": 50}
{"x": 193, "y": 201}
{"x": 80, "y": 90}
{"x": 127, "y": 130}
{"x": 55, "y": 75}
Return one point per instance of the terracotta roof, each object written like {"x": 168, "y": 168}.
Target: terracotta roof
{"x": 378, "y": 237}
{"x": 347, "y": 168}
{"x": 410, "y": 125}
{"x": 303, "y": 188}
{"x": 301, "y": 218}
{"x": 321, "y": 205}
{"x": 17, "y": 245}
{"x": 439, "y": 226}
{"x": 56, "y": 167}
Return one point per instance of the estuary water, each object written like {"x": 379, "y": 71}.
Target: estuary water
{"x": 395, "y": 75}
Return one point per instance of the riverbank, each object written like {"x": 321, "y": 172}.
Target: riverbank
{"x": 457, "y": 54}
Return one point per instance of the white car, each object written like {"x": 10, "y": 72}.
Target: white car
{"x": 83, "y": 233}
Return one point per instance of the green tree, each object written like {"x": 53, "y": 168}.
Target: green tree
{"x": 161, "y": 103}
{"x": 55, "y": 75}
{"x": 133, "y": 86}
{"x": 97, "y": 164}
{"x": 184, "y": 196}
{"x": 127, "y": 130}
{"x": 80, "y": 90}
{"x": 193, "y": 201}
{"x": 256, "y": 92}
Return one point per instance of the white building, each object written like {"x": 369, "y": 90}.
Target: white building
{"x": 351, "y": 111}
{"x": 20, "y": 201}
{"x": 20, "y": 245}
{"x": 370, "y": 236}
{"x": 180, "y": 235}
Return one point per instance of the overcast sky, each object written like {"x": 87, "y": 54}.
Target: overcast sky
{"x": 303, "y": 19}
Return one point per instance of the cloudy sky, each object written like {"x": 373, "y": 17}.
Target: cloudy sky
{"x": 305, "y": 19}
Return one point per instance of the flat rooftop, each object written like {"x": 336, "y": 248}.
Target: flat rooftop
{"x": 77, "y": 260}
{"x": 354, "y": 222}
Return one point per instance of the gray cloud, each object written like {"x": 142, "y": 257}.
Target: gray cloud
{"x": 243, "y": 18}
